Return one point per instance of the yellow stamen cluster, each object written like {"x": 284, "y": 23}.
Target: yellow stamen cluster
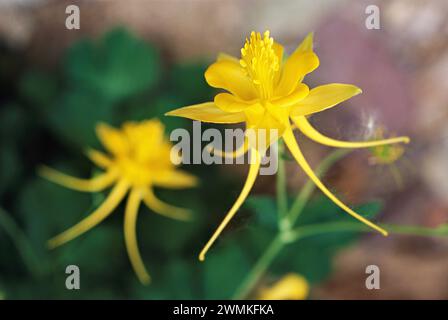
{"x": 145, "y": 151}
{"x": 260, "y": 62}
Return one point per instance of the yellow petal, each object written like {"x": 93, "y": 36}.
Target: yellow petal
{"x": 99, "y": 158}
{"x": 307, "y": 44}
{"x": 229, "y": 103}
{"x": 291, "y": 287}
{"x": 112, "y": 139}
{"x": 158, "y": 206}
{"x": 229, "y": 75}
{"x": 324, "y": 97}
{"x": 307, "y": 129}
{"x": 297, "y": 153}
{"x": 298, "y": 95}
{"x": 278, "y": 49}
{"x": 130, "y": 236}
{"x": 251, "y": 177}
{"x": 207, "y": 112}
{"x": 145, "y": 137}
{"x": 111, "y": 202}
{"x": 295, "y": 68}
{"x": 174, "y": 179}
{"x": 266, "y": 124}
{"x": 94, "y": 184}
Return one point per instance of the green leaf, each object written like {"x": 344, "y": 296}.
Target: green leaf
{"x": 265, "y": 209}
{"x": 13, "y": 122}
{"x": 105, "y": 243}
{"x": 10, "y": 167}
{"x": 142, "y": 108}
{"x": 175, "y": 279}
{"x": 224, "y": 269}
{"x": 117, "y": 67}
{"x": 188, "y": 83}
{"x": 312, "y": 256}
{"x": 176, "y": 234}
{"x": 39, "y": 89}
{"x": 322, "y": 209}
{"x": 76, "y": 114}
{"x": 48, "y": 209}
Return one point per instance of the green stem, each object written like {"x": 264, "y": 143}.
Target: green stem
{"x": 259, "y": 269}
{"x": 311, "y": 230}
{"x": 286, "y": 219}
{"x": 305, "y": 193}
{"x": 21, "y": 242}
{"x": 282, "y": 195}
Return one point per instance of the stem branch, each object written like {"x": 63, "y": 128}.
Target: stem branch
{"x": 311, "y": 230}
{"x": 281, "y": 189}
{"x": 305, "y": 193}
{"x": 259, "y": 269}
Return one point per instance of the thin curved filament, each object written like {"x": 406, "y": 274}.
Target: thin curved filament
{"x": 232, "y": 154}
{"x": 130, "y": 236}
{"x": 307, "y": 129}
{"x": 99, "y": 158}
{"x": 251, "y": 177}
{"x": 94, "y": 184}
{"x": 298, "y": 155}
{"x": 160, "y": 207}
{"x": 111, "y": 202}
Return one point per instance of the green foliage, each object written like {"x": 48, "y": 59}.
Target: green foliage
{"x": 39, "y": 89}
{"x": 116, "y": 67}
{"x": 224, "y": 270}
{"x": 265, "y": 208}
{"x": 9, "y": 167}
{"x": 311, "y": 256}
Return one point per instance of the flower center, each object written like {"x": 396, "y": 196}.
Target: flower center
{"x": 260, "y": 62}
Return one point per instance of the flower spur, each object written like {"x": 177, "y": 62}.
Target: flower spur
{"x": 139, "y": 161}
{"x": 267, "y": 93}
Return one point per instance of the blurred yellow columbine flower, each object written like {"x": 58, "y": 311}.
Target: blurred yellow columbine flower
{"x": 387, "y": 156}
{"x": 266, "y": 92}
{"x": 290, "y": 287}
{"x": 139, "y": 160}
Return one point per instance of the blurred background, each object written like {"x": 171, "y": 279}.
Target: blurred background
{"x": 136, "y": 59}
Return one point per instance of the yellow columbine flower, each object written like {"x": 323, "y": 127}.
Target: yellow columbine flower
{"x": 139, "y": 160}
{"x": 385, "y": 154}
{"x": 290, "y": 287}
{"x": 266, "y": 92}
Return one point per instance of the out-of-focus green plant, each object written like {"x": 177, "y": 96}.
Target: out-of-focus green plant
{"x": 49, "y": 117}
